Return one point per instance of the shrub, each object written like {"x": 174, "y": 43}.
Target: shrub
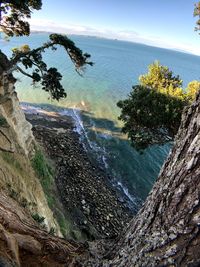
{"x": 3, "y": 121}
{"x": 45, "y": 174}
{"x": 38, "y": 218}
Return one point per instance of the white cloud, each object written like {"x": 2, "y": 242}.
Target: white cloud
{"x": 51, "y": 26}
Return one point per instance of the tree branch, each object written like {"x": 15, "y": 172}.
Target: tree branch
{"x": 74, "y": 53}
{"x": 20, "y": 55}
{"x": 38, "y": 66}
{"x": 23, "y": 72}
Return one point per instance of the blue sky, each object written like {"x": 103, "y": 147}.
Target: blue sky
{"x": 164, "y": 23}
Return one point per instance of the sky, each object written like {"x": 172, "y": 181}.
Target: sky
{"x": 162, "y": 23}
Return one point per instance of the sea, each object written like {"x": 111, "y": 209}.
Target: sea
{"x": 92, "y": 97}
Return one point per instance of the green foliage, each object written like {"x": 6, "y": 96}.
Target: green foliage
{"x": 17, "y": 196}
{"x": 76, "y": 55}
{"x": 162, "y": 80}
{"x": 11, "y": 160}
{"x": 45, "y": 174}
{"x": 3, "y": 121}
{"x": 49, "y": 78}
{"x": 64, "y": 227}
{"x": 52, "y": 231}
{"x": 23, "y": 202}
{"x": 192, "y": 89}
{"x": 13, "y": 194}
{"x": 13, "y": 15}
{"x": 152, "y": 112}
{"x": 38, "y": 218}
{"x": 150, "y": 117}
{"x": 51, "y": 83}
{"x": 40, "y": 165}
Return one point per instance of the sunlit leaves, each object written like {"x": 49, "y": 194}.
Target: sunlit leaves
{"x": 161, "y": 78}
{"x": 152, "y": 112}
{"x": 192, "y": 89}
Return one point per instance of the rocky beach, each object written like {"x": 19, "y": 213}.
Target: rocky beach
{"x": 85, "y": 190}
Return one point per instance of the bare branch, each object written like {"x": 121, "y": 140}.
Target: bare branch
{"x": 23, "y": 72}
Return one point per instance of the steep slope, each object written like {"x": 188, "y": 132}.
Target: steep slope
{"x": 17, "y": 144}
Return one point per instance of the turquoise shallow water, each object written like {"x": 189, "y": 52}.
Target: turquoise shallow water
{"x": 92, "y": 101}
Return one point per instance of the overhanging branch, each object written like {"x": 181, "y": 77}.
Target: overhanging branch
{"x": 23, "y": 72}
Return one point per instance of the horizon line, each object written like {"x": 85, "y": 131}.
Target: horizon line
{"x": 179, "y": 50}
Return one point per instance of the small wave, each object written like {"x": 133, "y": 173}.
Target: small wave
{"x": 30, "y": 109}
{"x": 106, "y": 136}
{"x": 95, "y": 148}
{"x": 79, "y": 128}
{"x": 125, "y": 190}
{"x": 104, "y": 162}
{"x": 79, "y": 124}
{"x": 100, "y": 152}
{"x": 75, "y": 113}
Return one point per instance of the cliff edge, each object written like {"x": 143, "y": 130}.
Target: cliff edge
{"x": 17, "y": 144}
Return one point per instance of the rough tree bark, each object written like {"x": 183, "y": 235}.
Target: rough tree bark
{"x": 23, "y": 243}
{"x": 166, "y": 231}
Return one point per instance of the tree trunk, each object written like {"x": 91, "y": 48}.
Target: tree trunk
{"x": 166, "y": 229}
{"x": 24, "y": 244}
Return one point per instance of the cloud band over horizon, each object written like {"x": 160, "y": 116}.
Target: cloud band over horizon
{"x": 126, "y": 35}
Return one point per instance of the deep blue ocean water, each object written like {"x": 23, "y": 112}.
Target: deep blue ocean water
{"x": 92, "y": 101}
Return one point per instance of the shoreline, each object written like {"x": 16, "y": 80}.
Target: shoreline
{"x": 94, "y": 152}
{"x": 86, "y": 190}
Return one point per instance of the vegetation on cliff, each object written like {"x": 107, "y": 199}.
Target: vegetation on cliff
{"x": 152, "y": 112}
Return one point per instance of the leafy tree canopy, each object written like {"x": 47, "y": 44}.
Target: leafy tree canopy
{"x": 13, "y": 15}
{"x": 161, "y": 79}
{"x": 152, "y": 112}
{"x": 192, "y": 89}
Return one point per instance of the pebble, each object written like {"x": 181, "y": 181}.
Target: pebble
{"x": 83, "y": 201}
